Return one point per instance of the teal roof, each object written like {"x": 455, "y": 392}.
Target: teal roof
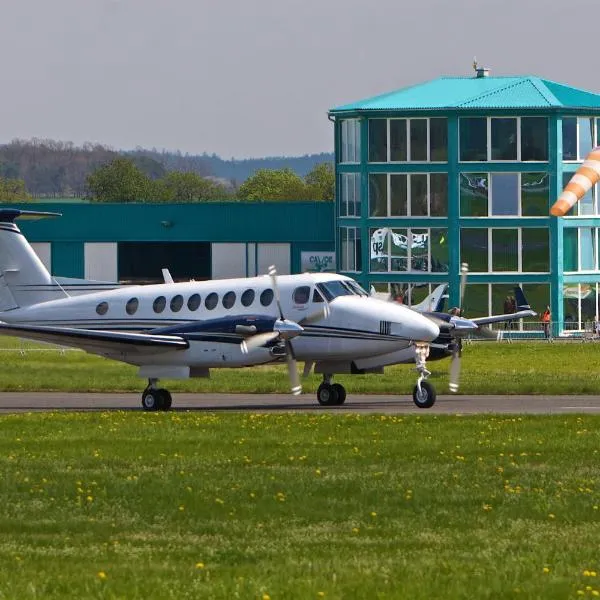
{"x": 449, "y": 93}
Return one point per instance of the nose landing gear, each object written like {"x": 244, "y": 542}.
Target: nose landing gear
{"x": 155, "y": 398}
{"x": 423, "y": 393}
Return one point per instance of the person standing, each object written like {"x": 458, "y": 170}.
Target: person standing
{"x": 546, "y": 319}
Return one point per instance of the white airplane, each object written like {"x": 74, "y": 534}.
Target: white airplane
{"x": 181, "y": 330}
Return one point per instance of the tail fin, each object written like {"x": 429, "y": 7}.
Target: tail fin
{"x": 24, "y": 280}
{"x": 520, "y": 299}
{"x": 434, "y": 302}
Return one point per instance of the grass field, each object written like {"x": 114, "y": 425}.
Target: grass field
{"x": 487, "y": 368}
{"x": 295, "y": 506}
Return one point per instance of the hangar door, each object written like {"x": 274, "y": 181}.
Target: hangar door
{"x": 142, "y": 262}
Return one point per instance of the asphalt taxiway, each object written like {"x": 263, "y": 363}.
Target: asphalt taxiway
{"x": 12, "y": 402}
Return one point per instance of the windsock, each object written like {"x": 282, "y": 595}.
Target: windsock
{"x": 586, "y": 176}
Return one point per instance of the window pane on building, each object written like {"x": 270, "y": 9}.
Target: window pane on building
{"x": 587, "y": 244}
{"x": 377, "y": 140}
{"x": 350, "y": 140}
{"x": 569, "y": 133}
{"x": 378, "y": 195}
{"x": 419, "y": 249}
{"x": 438, "y": 195}
{"x": 505, "y": 194}
{"x": 535, "y": 194}
{"x": 535, "y": 250}
{"x": 473, "y": 139}
{"x": 398, "y": 195}
{"x": 586, "y": 136}
{"x": 418, "y": 139}
{"x": 379, "y": 249}
{"x": 574, "y": 210}
{"x": 538, "y": 296}
{"x": 505, "y": 250}
{"x": 438, "y": 140}
{"x": 476, "y": 300}
{"x": 438, "y": 242}
{"x": 418, "y": 195}
{"x": 588, "y": 302}
{"x": 534, "y": 138}
{"x": 399, "y": 249}
{"x": 474, "y": 194}
{"x": 570, "y": 249}
{"x": 504, "y": 139}
{"x": 474, "y": 249}
{"x": 571, "y": 294}
{"x": 398, "y": 144}
{"x": 350, "y": 195}
{"x": 503, "y": 295}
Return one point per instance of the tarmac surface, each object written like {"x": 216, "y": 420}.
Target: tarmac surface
{"x": 13, "y": 402}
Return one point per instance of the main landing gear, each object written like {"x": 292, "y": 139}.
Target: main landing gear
{"x": 331, "y": 394}
{"x": 155, "y": 398}
{"x": 423, "y": 393}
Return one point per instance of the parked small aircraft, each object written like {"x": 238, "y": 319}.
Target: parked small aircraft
{"x": 181, "y": 330}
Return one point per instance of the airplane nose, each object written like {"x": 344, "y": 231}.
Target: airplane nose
{"x": 426, "y": 330}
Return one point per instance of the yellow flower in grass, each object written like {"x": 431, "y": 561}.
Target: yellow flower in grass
{"x": 101, "y": 575}
{"x": 199, "y": 565}
{"x": 546, "y": 570}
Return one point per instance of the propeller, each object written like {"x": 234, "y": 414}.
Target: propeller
{"x": 460, "y": 325}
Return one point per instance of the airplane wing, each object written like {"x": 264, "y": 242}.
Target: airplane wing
{"x": 97, "y": 342}
{"x": 520, "y": 314}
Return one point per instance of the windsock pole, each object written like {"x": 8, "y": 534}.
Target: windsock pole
{"x": 585, "y": 177}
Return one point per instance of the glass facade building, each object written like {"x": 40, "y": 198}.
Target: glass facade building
{"x": 465, "y": 169}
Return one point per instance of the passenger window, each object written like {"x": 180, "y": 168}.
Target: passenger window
{"x": 102, "y": 308}
{"x": 266, "y": 297}
{"x": 301, "y": 294}
{"x": 132, "y": 306}
{"x": 317, "y": 297}
{"x": 229, "y": 299}
{"x": 176, "y": 303}
{"x": 248, "y": 297}
{"x": 159, "y": 304}
{"x": 211, "y": 301}
{"x": 193, "y": 302}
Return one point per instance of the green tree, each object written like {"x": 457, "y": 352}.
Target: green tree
{"x": 270, "y": 184}
{"x": 119, "y": 181}
{"x": 321, "y": 182}
{"x": 191, "y": 187}
{"x": 13, "y": 190}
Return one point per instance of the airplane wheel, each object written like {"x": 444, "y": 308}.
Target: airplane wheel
{"x": 167, "y": 400}
{"x": 341, "y": 393}
{"x": 151, "y": 400}
{"x": 426, "y": 397}
{"x": 327, "y": 395}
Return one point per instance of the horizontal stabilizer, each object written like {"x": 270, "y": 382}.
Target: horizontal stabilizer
{"x": 8, "y": 215}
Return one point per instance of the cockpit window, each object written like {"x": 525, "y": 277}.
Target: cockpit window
{"x": 302, "y": 294}
{"x": 333, "y": 289}
{"x": 317, "y": 297}
{"x": 355, "y": 287}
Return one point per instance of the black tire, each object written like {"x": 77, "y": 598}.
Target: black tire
{"x": 151, "y": 400}
{"x": 167, "y": 400}
{"x": 341, "y": 393}
{"x": 327, "y": 395}
{"x": 425, "y": 399}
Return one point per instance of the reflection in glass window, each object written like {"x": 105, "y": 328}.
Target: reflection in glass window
{"x": 132, "y": 306}
{"x": 211, "y": 301}
{"x": 504, "y": 138}
{"x": 587, "y": 249}
{"x": 398, "y": 143}
{"x": 248, "y": 297}
{"x": 535, "y": 250}
{"x": 569, "y": 134}
{"x": 350, "y": 140}
{"x": 266, "y": 297}
{"x": 159, "y": 304}
{"x": 102, "y": 308}
{"x": 377, "y": 140}
{"x": 438, "y": 140}
{"x": 176, "y": 303}
{"x": 193, "y": 302}
{"x": 399, "y": 249}
{"x": 439, "y": 250}
{"x": 570, "y": 249}
{"x": 538, "y": 295}
{"x": 418, "y": 195}
{"x": 438, "y": 194}
{"x": 350, "y": 195}
{"x": 301, "y": 294}
{"x": 228, "y": 299}
{"x": 476, "y": 300}
{"x": 586, "y": 136}
{"x": 474, "y": 194}
{"x": 505, "y": 194}
{"x": 378, "y": 249}
{"x": 350, "y": 249}
{"x": 473, "y": 139}
{"x": 378, "y": 195}
{"x": 474, "y": 249}
{"x": 418, "y": 139}
{"x": 534, "y": 138}
{"x": 398, "y": 195}
{"x": 535, "y": 194}
{"x": 418, "y": 240}
{"x": 505, "y": 249}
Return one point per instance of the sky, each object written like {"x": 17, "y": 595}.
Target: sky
{"x": 252, "y": 78}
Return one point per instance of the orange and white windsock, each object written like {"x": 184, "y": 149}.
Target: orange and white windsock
{"x": 586, "y": 176}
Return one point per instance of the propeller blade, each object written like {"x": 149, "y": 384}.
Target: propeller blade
{"x": 454, "y": 372}
{"x": 464, "y": 270}
{"x": 317, "y": 316}
{"x": 290, "y": 357}
{"x": 487, "y": 333}
{"x": 273, "y": 275}
{"x": 260, "y": 339}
